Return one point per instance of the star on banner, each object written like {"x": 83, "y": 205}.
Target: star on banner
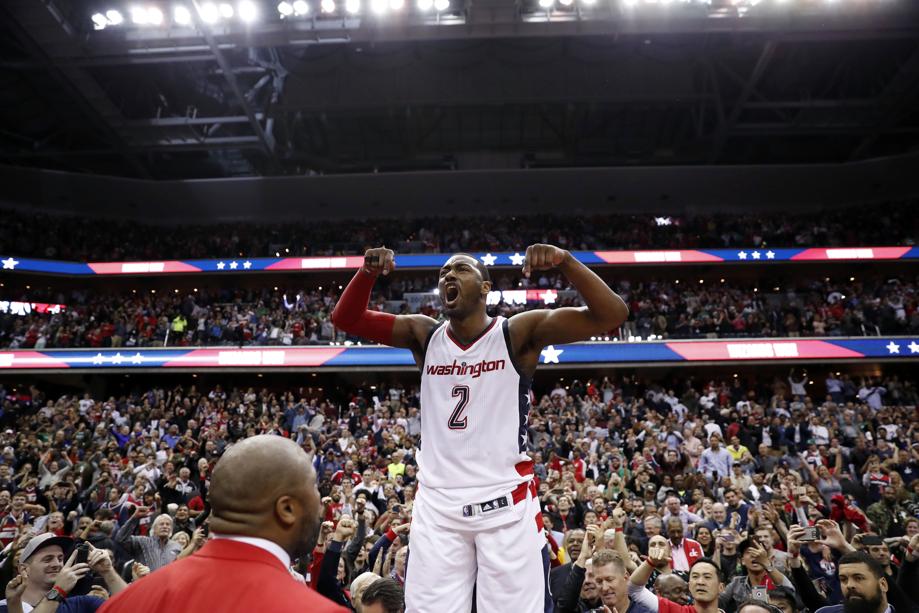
{"x": 517, "y": 259}
{"x": 549, "y": 296}
{"x": 755, "y": 255}
{"x": 913, "y": 347}
{"x": 221, "y": 265}
{"x": 234, "y": 265}
{"x": 98, "y": 359}
{"x": 247, "y": 264}
{"x": 892, "y": 347}
{"x": 742, "y": 255}
{"x": 10, "y": 264}
{"x": 488, "y": 259}
{"x": 550, "y": 354}
{"x": 117, "y": 359}
{"x": 770, "y": 255}
{"x": 137, "y": 359}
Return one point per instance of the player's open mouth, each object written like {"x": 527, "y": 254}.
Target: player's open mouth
{"x": 451, "y": 293}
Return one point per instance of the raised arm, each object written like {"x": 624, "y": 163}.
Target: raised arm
{"x": 352, "y": 315}
{"x": 605, "y": 310}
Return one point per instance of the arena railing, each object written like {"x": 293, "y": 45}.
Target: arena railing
{"x": 349, "y": 356}
{"x": 498, "y": 259}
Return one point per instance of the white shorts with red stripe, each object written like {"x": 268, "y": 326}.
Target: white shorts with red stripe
{"x": 495, "y": 545}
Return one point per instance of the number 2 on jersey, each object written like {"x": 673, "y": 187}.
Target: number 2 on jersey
{"x": 455, "y": 422}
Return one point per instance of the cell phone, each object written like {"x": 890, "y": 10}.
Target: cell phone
{"x": 85, "y": 583}
{"x": 809, "y": 535}
{"x": 728, "y": 538}
{"x": 759, "y": 593}
{"x": 800, "y": 491}
{"x": 872, "y": 540}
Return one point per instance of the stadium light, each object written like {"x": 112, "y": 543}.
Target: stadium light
{"x": 154, "y": 16}
{"x": 226, "y": 10}
{"x": 379, "y": 6}
{"x": 181, "y": 15}
{"x": 286, "y": 9}
{"x": 99, "y": 21}
{"x": 301, "y": 7}
{"x": 546, "y": 4}
{"x": 566, "y": 2}
{"x": 589, "y": 2}
{"x": 397, "y": 5}
{"x": 353, "y": 7}
{"x": 139, "y": 15}
{"x": 114, "y": 17}
{"x": 629, "y": 3}
{"x": 247, "y": 11}
{"x": 209, "y": 12}
{"x": 425, "y": 5}
{"x": 441, "y": 5}
{"x": 327, "y": 6}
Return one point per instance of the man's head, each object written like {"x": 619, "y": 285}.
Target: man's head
{"x": 361, "y": 583}
{"x": 572, "y": 543}
{"x": 763, "y": 536}
{"x": 265, "y": 486}
{"x": 673, "y": 505}
{"x": 590, "y": 591}
{"x": 672, "y": 587}
{"x": 757, "y": 606}
{"x": 747, "y": 550}
{"x": 783, "y": 599}
{"x": 731, "y": 498}
{"x": 863, "y": 584}
{"x": 879, "y": 550}
{"x": 705, "y": 580}
{"x": 675, "y": 530}
{"x": 43, "y": 558}
{"x": 464, "y": 285}
{"x": 714, "y": 441}
{"x": 611, "y": 577}
{"x": 652, "y": 525}
{"x": 383, "y": 596}
{"x": 162, "y": 526}
{"x": 719, "y": 513}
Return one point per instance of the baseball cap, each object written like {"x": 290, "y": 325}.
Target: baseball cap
{"x": 44, "y": 540}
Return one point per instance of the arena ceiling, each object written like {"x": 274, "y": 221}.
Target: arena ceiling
{"x": 494, "y": 88}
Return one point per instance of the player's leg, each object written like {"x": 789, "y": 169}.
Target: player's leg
{"x": 441, "y": 567}
{"x": 512, "y": 575}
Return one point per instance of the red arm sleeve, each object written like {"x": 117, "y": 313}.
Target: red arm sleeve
{"x": 352, "y": 316}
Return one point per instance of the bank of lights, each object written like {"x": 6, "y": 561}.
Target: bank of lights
{"x": 246, "y": 11}
{"x": 301, "y": 8}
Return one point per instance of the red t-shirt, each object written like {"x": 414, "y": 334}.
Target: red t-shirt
{"x": 668, "y": 606}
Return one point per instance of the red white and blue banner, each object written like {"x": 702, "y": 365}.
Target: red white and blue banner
{"x": 436, "y": 260}
{"x": 369, "y": 357}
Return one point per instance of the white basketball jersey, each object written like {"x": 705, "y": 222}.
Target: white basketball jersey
{"x": 474, "y": 407}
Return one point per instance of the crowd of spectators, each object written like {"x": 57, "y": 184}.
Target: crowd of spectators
{"x": 758, "y": 485}
{"x": 286, "y": 316}
{"x": 87, "y": 240}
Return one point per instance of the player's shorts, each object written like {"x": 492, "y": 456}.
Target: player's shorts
{"x": 505, "y": 563}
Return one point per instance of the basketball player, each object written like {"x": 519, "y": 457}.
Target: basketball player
{"x": 476, "y": 518}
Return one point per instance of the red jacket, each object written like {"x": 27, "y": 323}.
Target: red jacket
{"x": 224, "y": 576}
{"x": 693, "y": 551}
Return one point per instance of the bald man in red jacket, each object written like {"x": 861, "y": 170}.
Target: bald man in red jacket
{"x": 264, "y": 510}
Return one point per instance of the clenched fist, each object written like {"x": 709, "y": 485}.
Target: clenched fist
{"x": 543, "y": 257}
{"x": 379, "y": 260}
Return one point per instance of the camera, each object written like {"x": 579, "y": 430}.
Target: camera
{"x": 810, "y": 535}
{"x": 82, "y": 554}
